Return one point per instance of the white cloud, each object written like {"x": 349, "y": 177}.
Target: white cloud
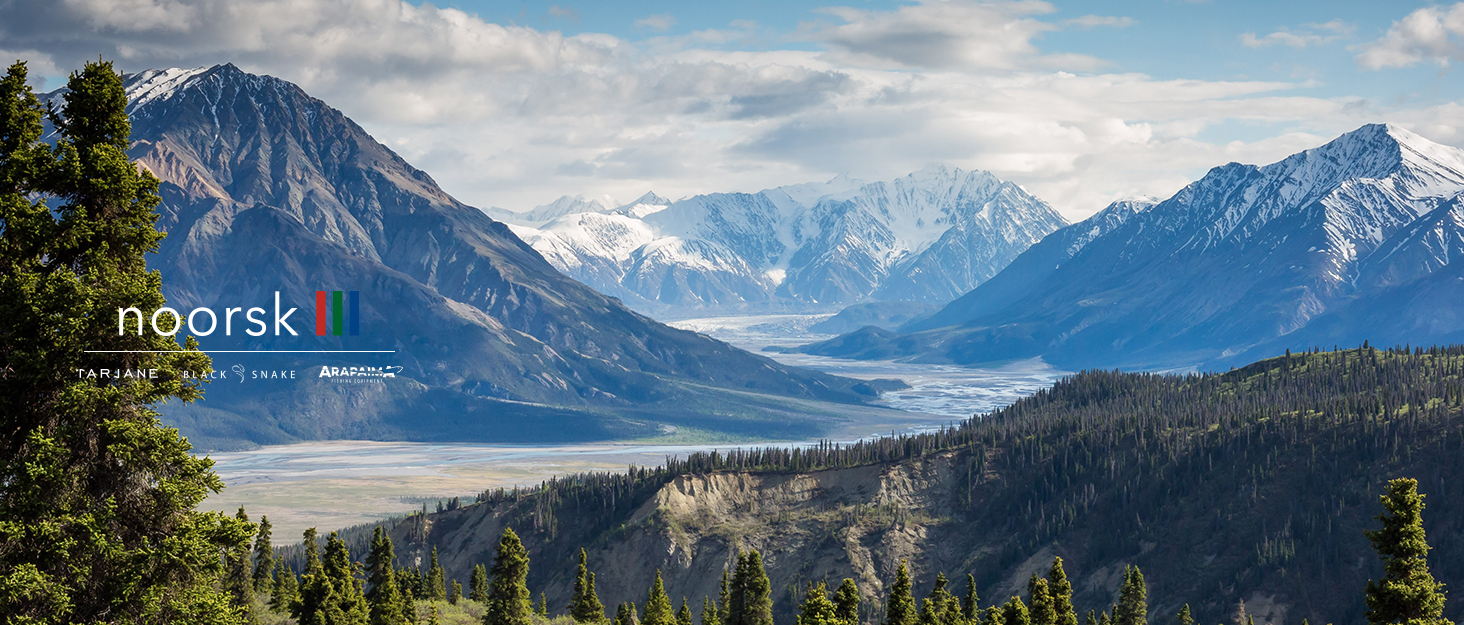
{"x": 1430, "y": 34}
{"x": 1094, "y": 21}
{"x": 513, "y": 116}
{"x": 661, "y": 21}
{"x": 1307, "y": 35}
{"x": 937, "y": 34}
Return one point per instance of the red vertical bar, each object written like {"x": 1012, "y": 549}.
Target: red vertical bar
{"x": 320, "y": 313}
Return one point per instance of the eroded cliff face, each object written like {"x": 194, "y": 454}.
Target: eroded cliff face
{"x": 827, "y": 525}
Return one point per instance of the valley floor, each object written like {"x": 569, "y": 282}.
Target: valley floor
{"x": 342, "y": 483}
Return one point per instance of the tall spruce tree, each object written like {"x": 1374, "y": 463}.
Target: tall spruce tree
{"x": 542, "y": 609}
{"x": 340, "y": 571}
{"x": 454, "y": 592}
{"x": 97, "y": 498}
{"x": 846, "y": 602}
{"x": 971, "y": 603}
{"x": 384, "y": 596}
{"x": 724, "y": 598}
{"x": 1041, "y": 610}
{"x": 1407, "y": 593}
{"x": 683, "y": 615}
{"x": 750, "y": 601}
{"x": 478, "y": 584}
{"x": 285, "y": 589}
{"x": 1133, "y": 607}
{"x": 657, "y": 609}
{"x": 1062, "y": 594}
{"x": 263, "y": 557}
{"x": 436, "y": 579}
{"x": 585, "y": 607}
{"x": 239, "y": 578}
{"x": 508, "y": 593}
{"x": 709, "y": 615}
{"x": 900, "y": 606}
{"x": 992, "y": 616}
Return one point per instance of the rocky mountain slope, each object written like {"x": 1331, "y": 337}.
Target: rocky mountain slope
{"x": 1254, "y": 484}
{"x": 925, "y": 237}
{"x": 267, "y": 189}
{"x": 1352, "y": 240}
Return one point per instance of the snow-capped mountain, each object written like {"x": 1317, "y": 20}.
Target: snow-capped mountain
{"x": 1244, "y": 261}
{"x": 1029, "y": 269}
{"x": 928, "y": 236}
{"x": 266, "y": 189}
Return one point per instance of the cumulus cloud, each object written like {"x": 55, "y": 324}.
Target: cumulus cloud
{"x": 1307, "y": 35}
{"x": 513, "y": 116}
{"x": 1430, "y": 34}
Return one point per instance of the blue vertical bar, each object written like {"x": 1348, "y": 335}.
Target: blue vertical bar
{"x": 355, "y": 313}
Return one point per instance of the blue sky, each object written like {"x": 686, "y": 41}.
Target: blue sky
{"x": 514, "y": 103}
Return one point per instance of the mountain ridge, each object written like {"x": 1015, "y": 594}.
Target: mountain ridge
{"x": 268, "y": 189}
{"x": 927, "y": 236}
{"x": 1239, "y": 261}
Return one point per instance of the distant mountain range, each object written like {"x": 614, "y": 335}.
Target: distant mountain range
{"x": 267, "y": 189}
{"x": 927, "y": 237}
{"x": 1359, "y": 239}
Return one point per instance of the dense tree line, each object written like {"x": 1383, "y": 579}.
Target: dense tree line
{"x": 331, "y": 590}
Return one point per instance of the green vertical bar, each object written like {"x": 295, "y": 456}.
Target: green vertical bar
{"x": 337, "y": 312}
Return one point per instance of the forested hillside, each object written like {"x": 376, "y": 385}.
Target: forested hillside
{"x": 1254, "y": 484}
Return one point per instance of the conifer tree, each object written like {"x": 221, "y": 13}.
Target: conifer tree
{"x": 263, "y": 557}
{"x": 1062, "y": 594}
{"x": 971, "y": 603}
{"x": 97, "y": 497}
{"x": 1092, "y": 618}
{"x": 1041, "y": 611}
{"x": 622, "y": 614}
{"x": 709, "y": 615}
{"x": 315, "y": 603}
{"x": 384, "y": 601}
{"x": 1407, "y": 593}
{"x": 543, "y": 608}
{"x": 1014, "y": 612}
{"x": 478, "y": 584}
{"x": 341, "y": 574}
{"x": 846, "y": 602}
{"x": 992, "y": 616}
{"x": 239, "y": 578}
{"x": 283, "y": 590}
{"x": 436, "y": 579}
{"x": 751, "y": 599}
{"x": 900, "y": 607}
{"x": 432, "y": 618}
{"x": 658, "y": 607}
{"x": 1184, "y": 618}
{"x": 683, "y": 615}
{"x": 1103, "y": 618}
{"x": 929, "y": 614}
{"x": 508, "y": 593}
{"x": 1133, "y": 608}
{"x": 724, "y": 598}
{"x": 816, "y": 608}
{"x": 585, "y": 607}
{"x": 455, "y": 592}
